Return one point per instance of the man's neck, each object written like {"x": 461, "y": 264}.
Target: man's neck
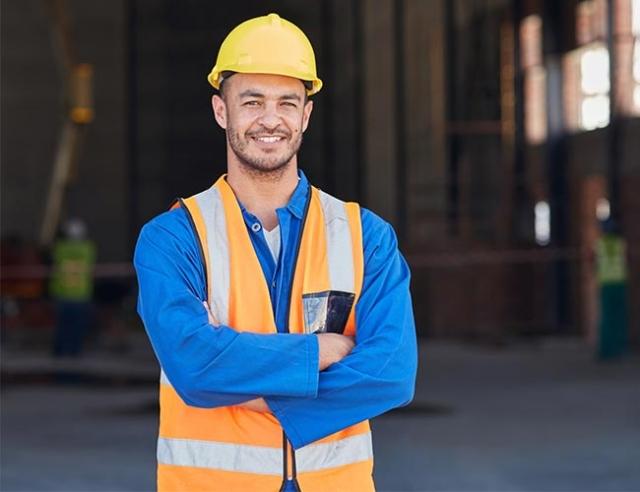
{"x": 262, "y": 197}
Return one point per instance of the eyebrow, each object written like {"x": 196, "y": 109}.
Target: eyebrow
{"x": 254, "y": 93}
{"x": 291, "y": 96}
{"x": 251, "y": 93}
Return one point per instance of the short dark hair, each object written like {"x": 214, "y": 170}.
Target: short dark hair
{"x": 223, "y": 78}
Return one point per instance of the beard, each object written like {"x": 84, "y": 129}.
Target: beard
{"x": 265, "y": 165}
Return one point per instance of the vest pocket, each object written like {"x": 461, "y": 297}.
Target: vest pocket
{"x": 327, "y": 311}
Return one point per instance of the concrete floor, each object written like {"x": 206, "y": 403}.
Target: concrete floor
{"x": 536, "y": 417}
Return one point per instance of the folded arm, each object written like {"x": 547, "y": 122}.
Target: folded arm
{"x": 379, "y": 374}
{"x": 331, "y": 349}
{"x": 204, "y": 362}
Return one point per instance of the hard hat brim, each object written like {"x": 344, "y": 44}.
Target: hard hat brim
{"x": 214, "y": 76}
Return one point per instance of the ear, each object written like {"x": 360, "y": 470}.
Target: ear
{"x": 306, "y": 114}
{"x": 219, "y": 110}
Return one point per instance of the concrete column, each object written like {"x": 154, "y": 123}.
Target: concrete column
{"x": 341, "y": 76}
{"x": 426, "y": 119}
{"x": 379, "y": 108}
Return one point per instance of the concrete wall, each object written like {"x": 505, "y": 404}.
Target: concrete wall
{"x": 32, "y": 115}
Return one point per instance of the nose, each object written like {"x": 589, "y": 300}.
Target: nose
{"x": 270, "y": 118}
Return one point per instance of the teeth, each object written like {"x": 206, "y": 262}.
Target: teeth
{"x": 269, "y": 139}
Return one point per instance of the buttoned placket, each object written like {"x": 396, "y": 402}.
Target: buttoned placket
{"x": 257, "y": 233}
{"x": 289, "y": 218}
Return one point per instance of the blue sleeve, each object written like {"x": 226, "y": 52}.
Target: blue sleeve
{"x": 206, "y": 364}
{"x": 379, "y": 374}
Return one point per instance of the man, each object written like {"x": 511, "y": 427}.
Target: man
{"x": 280, "y": 315}
{"x": 73, "y": 257}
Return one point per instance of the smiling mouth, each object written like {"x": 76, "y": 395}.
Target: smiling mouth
{"x": 268, "y": 138}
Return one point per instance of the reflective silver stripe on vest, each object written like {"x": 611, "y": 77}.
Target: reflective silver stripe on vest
{"x": 212, "y": 210}
{"x": 346, "y": 451}
{"x": 220, "y": 456}
{"x": 260, "y": 459}
{"x": 339, "y": 248}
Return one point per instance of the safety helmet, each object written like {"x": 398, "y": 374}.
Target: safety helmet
{"x": 75, "y": 228}
{"x": 270, "y": 45}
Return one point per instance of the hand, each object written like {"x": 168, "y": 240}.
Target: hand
{"x": 257, "y": 405}
{"x": 332, "y": 348}
{"x": 212, "y": 318}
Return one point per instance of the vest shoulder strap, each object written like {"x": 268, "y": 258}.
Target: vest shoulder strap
{"x": 344, "y": 234}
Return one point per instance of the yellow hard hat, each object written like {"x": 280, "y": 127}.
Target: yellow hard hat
{"x": 270, "y": 45}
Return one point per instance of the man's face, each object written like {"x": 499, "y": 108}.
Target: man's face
{"x": 264, "y": 116}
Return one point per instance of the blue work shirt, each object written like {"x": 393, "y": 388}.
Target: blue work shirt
{"x": 211, "y": 366}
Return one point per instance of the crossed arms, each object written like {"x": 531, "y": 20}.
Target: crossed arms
{"x": 332, "y": 348}
{"x": 314, "y": 384}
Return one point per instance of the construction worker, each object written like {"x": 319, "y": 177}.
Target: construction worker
{"x": 71, "y": 286}
{"x": 280, "y": 315}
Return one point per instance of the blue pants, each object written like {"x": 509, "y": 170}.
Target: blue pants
{"x": 72, "y": 323}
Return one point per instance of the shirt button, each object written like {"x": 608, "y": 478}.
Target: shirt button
{"x": 256, "y": 227}
{"x": 273, "y": 284}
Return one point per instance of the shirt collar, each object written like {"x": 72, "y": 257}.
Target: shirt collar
{"x": 298, "y": 200}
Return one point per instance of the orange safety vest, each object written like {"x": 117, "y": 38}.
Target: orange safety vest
{"x": 231, "y": 448}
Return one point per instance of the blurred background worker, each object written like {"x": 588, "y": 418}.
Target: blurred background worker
{"x": 73, "y": 257}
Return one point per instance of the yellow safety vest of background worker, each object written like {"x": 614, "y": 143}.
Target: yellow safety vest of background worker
{"x": 73, "y": 258}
